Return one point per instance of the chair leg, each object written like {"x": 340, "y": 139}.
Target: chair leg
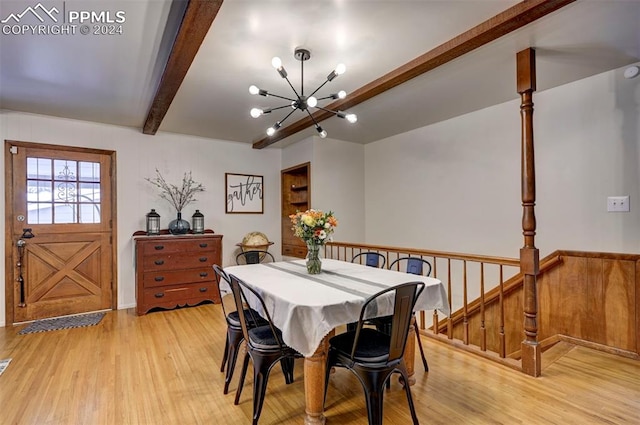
{"x": 245, "y": 365}
{"x": 225, "y": 356}
{"x": 235, "y": 340}
{"x": 424, "y": 359}
{"x": 287, "y": 364}
{"x": 373, "y": 383}
{"x": 330, "y": 364}
{"x": 403, "y": 371}
{"x": 261, "y": 368}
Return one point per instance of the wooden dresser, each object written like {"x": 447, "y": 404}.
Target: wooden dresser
{"x": 175, "y": 270}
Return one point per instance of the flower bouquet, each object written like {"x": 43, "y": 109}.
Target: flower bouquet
{"x": 314, "y": 227}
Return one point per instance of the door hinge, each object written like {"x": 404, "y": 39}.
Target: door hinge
{"x": 13, "y": 150}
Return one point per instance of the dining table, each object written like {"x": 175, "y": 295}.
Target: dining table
{"x": 308, "y": 307}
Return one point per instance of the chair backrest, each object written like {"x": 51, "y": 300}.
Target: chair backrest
{"x": 404, "y": 300}
{"x": 253, "y": 256}
{"x": 414, "y": 265}
{"x": 221, "y": 276}
{"x": 239, "y": 290}
{"x": 372, "y": 259}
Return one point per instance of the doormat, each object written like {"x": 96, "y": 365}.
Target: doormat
{"x": 68, "y": 322}
{"x": 4, "y": 364}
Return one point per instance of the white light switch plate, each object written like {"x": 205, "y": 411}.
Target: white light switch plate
{"x": 618, "y": 204}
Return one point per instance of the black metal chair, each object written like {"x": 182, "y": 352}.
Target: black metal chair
{"x": 234, "y": 329}
{"x": 372, "y": 259}
{"x": 417, "y": 266}
{"x": 373, "y": 356}
{"x": 253, "y": 256}
{"x": 264, "y": 347}
{"x": 413, "y": 265}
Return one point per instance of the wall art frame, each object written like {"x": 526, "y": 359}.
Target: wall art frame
{"x": 244, "y": 193}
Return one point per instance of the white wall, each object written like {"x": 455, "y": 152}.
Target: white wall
{"x": 455, "y": 185}
{"x": 137, "y": 157}
{"x": 337, "y": 181}
{"x": 338, "y": 185}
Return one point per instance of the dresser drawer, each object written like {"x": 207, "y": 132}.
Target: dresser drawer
{"x": 183, "y": 260}
{"x": 164, "y": 246}
{"x": 174, "y": 277}
{"x": 179, "y": 295}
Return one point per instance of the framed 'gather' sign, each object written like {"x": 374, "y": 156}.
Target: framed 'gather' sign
{"x": 244, "y": 193}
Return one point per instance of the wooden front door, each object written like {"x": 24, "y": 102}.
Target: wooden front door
{"x": 60, "y": 231}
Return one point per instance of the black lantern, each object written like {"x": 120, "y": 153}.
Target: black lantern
{"x": 197, "y": 221}
{"x": 153, "y": 223}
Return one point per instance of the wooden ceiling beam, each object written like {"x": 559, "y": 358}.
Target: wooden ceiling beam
{"x": 197, "y": 20}
{"x": 503, "y": 23}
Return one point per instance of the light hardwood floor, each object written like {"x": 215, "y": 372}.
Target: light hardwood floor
{"x": 164, "y": 368}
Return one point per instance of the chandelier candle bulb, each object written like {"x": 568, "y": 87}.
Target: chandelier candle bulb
{"x": 321, "y": 132}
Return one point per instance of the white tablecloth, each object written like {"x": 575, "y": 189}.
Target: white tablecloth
{"x": 307, "y": 307}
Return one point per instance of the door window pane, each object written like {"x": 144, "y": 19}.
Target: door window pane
{"x": 62, "y": 191}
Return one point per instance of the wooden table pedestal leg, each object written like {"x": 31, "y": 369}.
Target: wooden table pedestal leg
{"x": 314, "y": 375}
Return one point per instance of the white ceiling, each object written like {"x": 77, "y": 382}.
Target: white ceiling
{"x": 113, "y": 78}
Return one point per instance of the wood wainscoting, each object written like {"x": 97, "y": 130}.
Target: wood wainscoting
{"x": 594, "y": 298}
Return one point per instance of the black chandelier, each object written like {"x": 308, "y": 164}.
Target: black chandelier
{"x": 301, "y": 102}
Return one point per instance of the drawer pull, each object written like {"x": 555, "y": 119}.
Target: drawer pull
{"x": 159, "y": 247}
{"x": 159, "y": 295}
{"x": 204, "y": 245}
{"x": 204, "y": 274}
{"x": 203, "y": 259}
{"x": 158, "y": 278}
{"x": 159, "y": 262}
{"x": 203, "y": 289}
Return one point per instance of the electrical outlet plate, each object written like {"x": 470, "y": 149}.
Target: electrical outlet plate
{"x": 618, "y": 204}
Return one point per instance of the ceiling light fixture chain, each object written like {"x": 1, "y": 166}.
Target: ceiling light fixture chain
{"x": 301, "y": 102}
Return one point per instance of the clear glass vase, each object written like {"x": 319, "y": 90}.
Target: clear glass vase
{"x": 314, "y": 264}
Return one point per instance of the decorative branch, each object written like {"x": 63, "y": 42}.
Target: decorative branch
{"x": 177, "y": 197}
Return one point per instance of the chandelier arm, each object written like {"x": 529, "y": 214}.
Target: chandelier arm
{"x": 312, "y": 118}
{"x": 326, "y": 110}
{"x": 287, "y": 116}
{"x": 282, "y": 97}
{"x": 292, "y": 88}
{"x": 326, "y": 97}
{"x": 278, "y": 107}
{"x": 316, "y": 90}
